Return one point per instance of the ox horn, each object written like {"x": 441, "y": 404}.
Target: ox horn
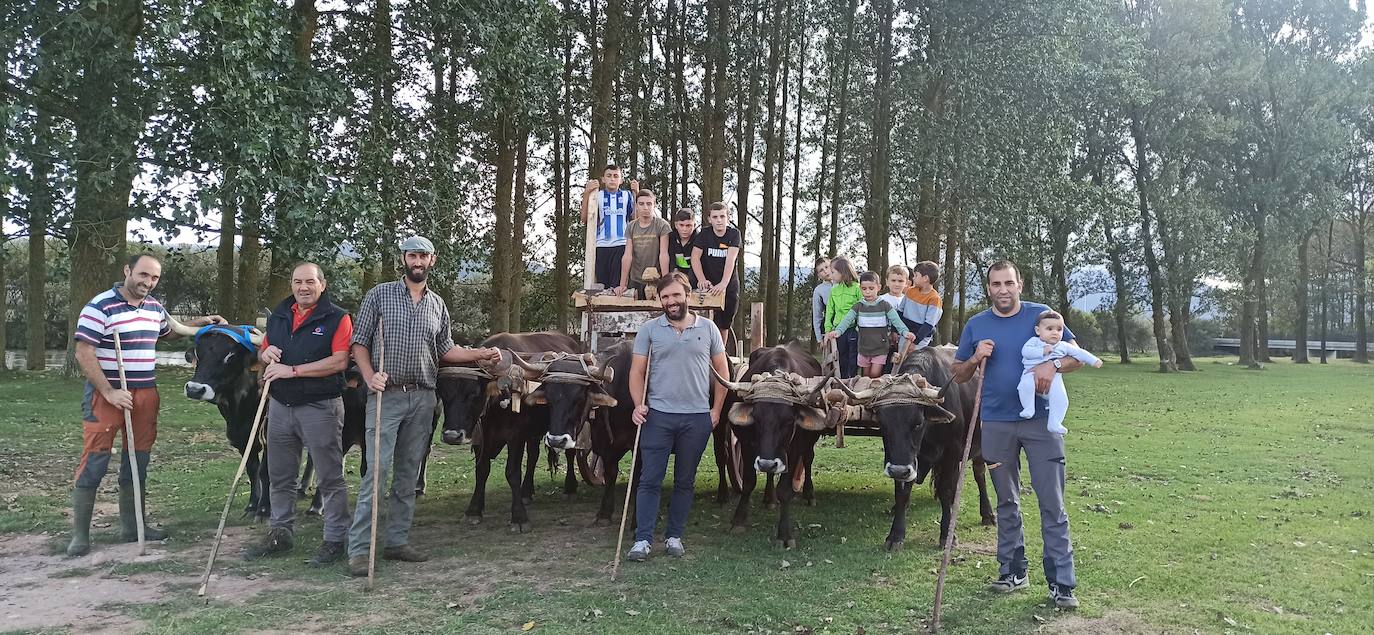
{"x": 533, "y": 370}
{"x": 741, "y": 388}
{"x": 188, "y": 331}
{"x": 255, "y": 336}
{"x": 814, "y": 393}
{"x": 863, "y": 396}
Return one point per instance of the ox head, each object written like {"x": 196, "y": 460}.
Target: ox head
{"x": 223, "y": 363}
{"x": 904, "y": 406}
{"x": 463, "y": 392}
{"x": 571, "y": 386}
{"x": 776, "y": 405}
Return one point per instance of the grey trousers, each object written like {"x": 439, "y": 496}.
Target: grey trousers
{"x": 1002, "y": 443}
{"x": 407, "y": 428}
{"x": 316, "y": 427}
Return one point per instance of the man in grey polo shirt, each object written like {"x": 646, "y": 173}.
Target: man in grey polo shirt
{"x": 681, "y": 409}
{"x": 417, "y": 335}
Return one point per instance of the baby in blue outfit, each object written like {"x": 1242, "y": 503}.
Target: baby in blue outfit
{"x": 1048, "y": 345}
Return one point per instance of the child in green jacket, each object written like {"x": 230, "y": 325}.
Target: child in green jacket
{"x": 842, "y": 298}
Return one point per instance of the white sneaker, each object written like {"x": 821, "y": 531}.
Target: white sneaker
{"x": 675, "y": 548}
{"x": 639, "y": 552}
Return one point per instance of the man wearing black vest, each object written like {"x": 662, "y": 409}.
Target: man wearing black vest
{"x": 306, "y": 351}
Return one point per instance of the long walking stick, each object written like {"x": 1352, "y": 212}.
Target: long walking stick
{"x": 376, "y": 460}
{"x": 958, "y": 491}
{"x": 630, "y": 482}
{"x": 233, "y": 488}
{"x": 129, "y": 441}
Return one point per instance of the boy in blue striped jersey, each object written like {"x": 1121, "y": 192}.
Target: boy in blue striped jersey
{"x": 615, "y": 209}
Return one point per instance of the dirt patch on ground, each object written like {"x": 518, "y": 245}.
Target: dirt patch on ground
{"x": 41, "y": 589}
{"x": 1113, "y": 622}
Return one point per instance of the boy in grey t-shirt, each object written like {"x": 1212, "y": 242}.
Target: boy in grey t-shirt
{"x": 678, "y": 350}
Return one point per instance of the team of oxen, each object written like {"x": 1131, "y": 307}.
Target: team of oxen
{"x": 546, "y": 392}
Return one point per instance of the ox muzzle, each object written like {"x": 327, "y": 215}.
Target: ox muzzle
{"x": 455, "y": 437}
{"x": 559, "y": 441}
{"x": 900, "y": 473}
{"x": 770, "y": 466}
{"x": 202, "y": 392}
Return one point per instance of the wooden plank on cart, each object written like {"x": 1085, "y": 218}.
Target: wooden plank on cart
{"x": 620, "y": 321}
{"x": 758, "y": 338}
{"x": 610, "y": 303}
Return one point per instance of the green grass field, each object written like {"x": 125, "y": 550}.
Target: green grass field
{"x": 1224, "y": 500}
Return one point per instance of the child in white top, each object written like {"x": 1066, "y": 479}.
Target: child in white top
{"x": 1048, "y": 345}
{"x": 897, "y": 281}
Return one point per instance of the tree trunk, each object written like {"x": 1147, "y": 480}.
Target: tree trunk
{"x": 927, "y": 216}
{"x": 1300, "y": 298}
{"x": 1059, "y": 269}
{"x": 877, "y": 207}
{"x": 1361, "y": 274}
{"x": 516, "y": 268}
{"x": 1180, "y": 316}
{"x": 1262, "y": 305}
{"x": 225, "y": 295}
{"x": 504, "y": 138}
{"x": 841, "y": 127}
{"x": 108, "y": 122}
{"x": 796, "y": 193}
{"x": 1249, "y": 337}
{"x": 953, "y": 243}
{"x": 768, "y": 279}
{"x": 1326, "y": 281}
{"x": 713, "y": 103}
{"x": 39, "y": 212}
{"x": 744, "y": 164}
{"x": 1122, "y": 308}
{"x": 249, "y": 298}
{"x": 562, "y": 165}
{"x": 819, "y": 221}
{"x": 1158, "y": 306}
{"x": 603, "y": 79}
{"x": 963, "y": 292}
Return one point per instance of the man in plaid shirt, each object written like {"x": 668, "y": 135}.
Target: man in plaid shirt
{"x": 417, "y": 337}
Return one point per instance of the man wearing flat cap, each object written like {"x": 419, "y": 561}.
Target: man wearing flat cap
{"x": 415, "y": 326}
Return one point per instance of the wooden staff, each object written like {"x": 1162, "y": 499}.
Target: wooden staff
{"x": 129, "y": 440}
{"x": 958, "y": 491}
{"x": 233, "y": 488}
{"x": 376, "y": 460}
{"x": 634, "y": 459}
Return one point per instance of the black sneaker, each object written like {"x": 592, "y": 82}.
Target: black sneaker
{"x": 1062, "y": 596}
{"x": 278, "y": 540}
{"x": 328, "y": 553}
{"x": 1010, "y": 582}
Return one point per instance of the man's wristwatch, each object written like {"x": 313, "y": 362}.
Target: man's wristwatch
{"x": 1056, "y": 363}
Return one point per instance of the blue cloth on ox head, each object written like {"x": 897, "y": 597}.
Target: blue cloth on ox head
{"x": 240, "y": 334}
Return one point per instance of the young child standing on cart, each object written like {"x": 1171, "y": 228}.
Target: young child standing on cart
{"x": 873, "y": 317}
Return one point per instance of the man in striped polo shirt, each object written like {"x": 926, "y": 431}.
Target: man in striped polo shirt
{"x": 140, "y": 320}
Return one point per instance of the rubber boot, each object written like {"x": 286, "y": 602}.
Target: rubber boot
{"x": 83, "y": 502}
{"x": 128, "y": 517}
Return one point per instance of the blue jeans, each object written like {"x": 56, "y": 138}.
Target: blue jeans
{"x": 665, "y": 433}
{"x": 848, "y": 350}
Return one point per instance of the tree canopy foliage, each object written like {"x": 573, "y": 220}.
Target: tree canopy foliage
{"x": 1175, "y": 156}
